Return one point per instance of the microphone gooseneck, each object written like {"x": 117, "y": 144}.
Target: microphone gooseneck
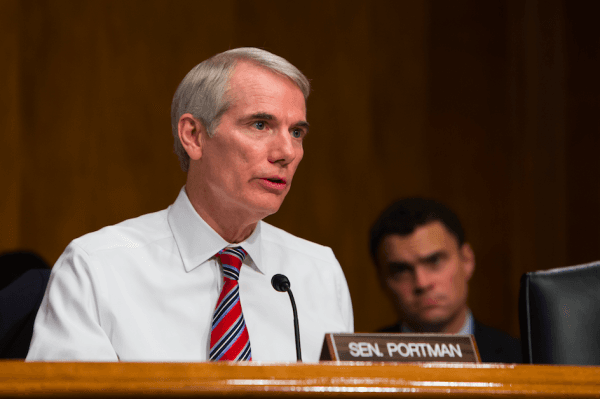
{"x": 282, "y": 284}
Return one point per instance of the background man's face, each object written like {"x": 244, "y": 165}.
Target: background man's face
{"x": 427, "y": 274}
{"x": 250, "y": 162}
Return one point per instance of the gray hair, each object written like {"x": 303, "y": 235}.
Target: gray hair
{"x": 203, "y": 91}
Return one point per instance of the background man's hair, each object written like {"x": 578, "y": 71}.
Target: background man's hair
{"x": 203, "y": 91}
{"x": 404, "y": 216}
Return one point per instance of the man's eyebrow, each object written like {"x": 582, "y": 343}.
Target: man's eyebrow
{"x": 399, "y": 264}
{"x": 262, "y": 115}
{"x": 303, "y": 124}
{"x": 432, "y": 256}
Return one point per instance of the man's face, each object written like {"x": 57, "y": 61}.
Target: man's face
{"x": 249, "y": 164}
{"x": 427, "y": 273}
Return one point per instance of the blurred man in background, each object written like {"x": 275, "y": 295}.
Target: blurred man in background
{"x": 424, "y": 264}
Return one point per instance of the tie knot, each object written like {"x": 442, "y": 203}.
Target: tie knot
{"x": 231, "y": 259}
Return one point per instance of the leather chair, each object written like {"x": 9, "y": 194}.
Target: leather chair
{"x": 559, "y": 315}
{"x": 23, "y": 279}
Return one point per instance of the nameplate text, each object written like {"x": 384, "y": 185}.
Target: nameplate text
{"x": 400, "y": 348}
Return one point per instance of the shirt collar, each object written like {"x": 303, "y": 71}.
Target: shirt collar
{"x": 467, "y": 328}
{"x": 198, "y": 242}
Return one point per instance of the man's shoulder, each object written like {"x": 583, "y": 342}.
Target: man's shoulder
{"x": 496, "y": 345}
{"x": 493, "y": 333}
{"x": 279, "y": 237}
{"x": 395, "y": 328}
{"x": 129, "y": 234}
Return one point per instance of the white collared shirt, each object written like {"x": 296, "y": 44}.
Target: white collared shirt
{"x": 145, "y": 290}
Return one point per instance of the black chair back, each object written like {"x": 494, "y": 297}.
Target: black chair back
{"x": 559, "y": 315}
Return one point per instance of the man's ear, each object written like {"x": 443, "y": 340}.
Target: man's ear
{"x": 190, "y": 132}
{"x": 468, "y": 259}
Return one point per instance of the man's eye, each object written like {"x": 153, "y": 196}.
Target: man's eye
{"x": 296, "y": 133}
{"x": 259, "y": 125}
{"x": 434, "y": 261}
{"x": 398, "y": 269}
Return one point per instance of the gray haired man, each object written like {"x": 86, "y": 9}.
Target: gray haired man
{"x": 193, "y": 282}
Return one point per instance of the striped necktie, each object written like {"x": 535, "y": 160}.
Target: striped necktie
{"x": 229, "y": 338}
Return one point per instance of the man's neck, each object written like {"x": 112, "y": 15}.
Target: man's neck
{"x": 233, "y": 226}
{"x": 454, "y": 326}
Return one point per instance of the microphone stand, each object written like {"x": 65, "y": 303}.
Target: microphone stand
{"x": 296, "y": 326}
{"x": 281, "y": 284}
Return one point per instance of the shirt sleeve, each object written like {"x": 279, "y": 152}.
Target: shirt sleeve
{"x": 68, "y": 324}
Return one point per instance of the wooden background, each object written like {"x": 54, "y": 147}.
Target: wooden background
{"x": 489, "y": 106}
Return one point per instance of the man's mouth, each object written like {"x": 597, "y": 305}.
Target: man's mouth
{"x": 276, "y": 183}
{"x": 430, "y": 302}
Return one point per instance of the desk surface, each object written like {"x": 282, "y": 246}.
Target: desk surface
{"x": 423, "y": 380}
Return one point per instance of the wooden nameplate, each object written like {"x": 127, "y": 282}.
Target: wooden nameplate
{"x": 400, "y": 348}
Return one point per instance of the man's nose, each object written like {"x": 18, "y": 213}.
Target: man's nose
{"x": 422, "y": 279}
{"x": 283, "y": 150}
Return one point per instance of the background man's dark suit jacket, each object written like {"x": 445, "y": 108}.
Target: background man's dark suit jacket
{"x": 494, "y": 346}
{"x": 19, "y": 303}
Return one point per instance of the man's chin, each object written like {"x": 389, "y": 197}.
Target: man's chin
{"x": 268, "y": 200}
{"x": 266, "y": 208}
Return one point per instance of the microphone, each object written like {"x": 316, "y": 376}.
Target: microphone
{"x": 282, "y": 284}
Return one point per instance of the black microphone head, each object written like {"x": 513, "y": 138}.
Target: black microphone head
{"x": 280, "y": 282}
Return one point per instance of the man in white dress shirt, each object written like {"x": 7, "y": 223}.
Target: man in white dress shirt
{"x": 146, "y": 289}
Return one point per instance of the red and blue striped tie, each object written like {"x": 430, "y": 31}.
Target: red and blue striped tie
{"x": 229, "y": 338}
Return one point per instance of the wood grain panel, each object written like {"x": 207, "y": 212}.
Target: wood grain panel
{"x": 583, "y": 127}
{"x": 10, "y": 128}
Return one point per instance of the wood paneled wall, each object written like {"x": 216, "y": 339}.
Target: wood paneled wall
{"x": 491, "y": 107}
